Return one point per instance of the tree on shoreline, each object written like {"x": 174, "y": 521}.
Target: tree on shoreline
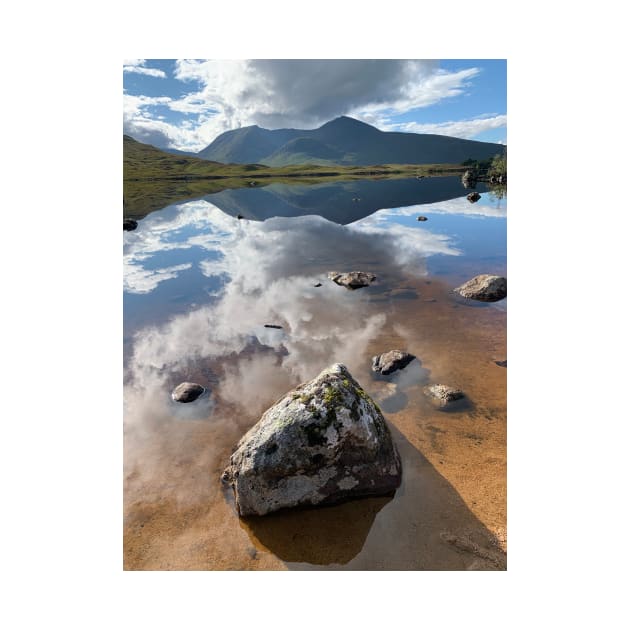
{"x": 498, "y": 166}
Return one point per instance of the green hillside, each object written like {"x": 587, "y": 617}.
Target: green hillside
{"x": 152, "y": 178}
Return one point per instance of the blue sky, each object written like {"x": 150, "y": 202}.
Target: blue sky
{"x": 185, "y": 104}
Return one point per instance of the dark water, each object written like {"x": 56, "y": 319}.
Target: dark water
{"x": 199, "y": 287}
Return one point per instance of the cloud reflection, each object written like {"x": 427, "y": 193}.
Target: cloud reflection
{"x": 268, "y": 271}
{"x": 459, "y": 206}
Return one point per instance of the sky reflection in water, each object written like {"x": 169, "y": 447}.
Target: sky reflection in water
{"x": 200, "y": 285}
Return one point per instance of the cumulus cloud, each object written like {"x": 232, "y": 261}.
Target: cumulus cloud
{"x": 140, "y": 122}
{"x": 138, "y": 66}
{"x": 296, "y": 93}
{"x": 458, "y": 128}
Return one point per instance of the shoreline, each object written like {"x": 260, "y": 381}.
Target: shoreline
{"x": 449, "y": 513}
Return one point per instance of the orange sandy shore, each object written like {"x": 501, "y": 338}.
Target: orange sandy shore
{"x": 448, "y": 514}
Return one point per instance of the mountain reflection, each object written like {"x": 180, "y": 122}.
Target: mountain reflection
{"x": 340, "y": 202}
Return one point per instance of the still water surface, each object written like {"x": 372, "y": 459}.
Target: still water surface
{"x": 199, "y": 287}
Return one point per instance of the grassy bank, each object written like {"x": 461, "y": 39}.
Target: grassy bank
{"x": 153, "y": 179}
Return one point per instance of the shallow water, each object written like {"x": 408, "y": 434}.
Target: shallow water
{"x": 200, "y": 285}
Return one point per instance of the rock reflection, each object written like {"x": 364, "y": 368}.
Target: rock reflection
{"x": 320, "y": 536}
{"x": 391, "y": 390}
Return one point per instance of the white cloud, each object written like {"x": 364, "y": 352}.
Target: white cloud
{"x": 138, "y": 67}
{"x": 150, "y": 128}
{"x": 458, "y": 128}
{"x": 140, "y": 280}
{"x": 296, "y": 93}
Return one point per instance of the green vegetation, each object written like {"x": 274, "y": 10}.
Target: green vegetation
{"x": 332, "y": 397}
{"x": 477, "y": 165}
{"x": 498, "y": 166}
{"x": 495, "y": 166}
{"x": 153, "y": 179}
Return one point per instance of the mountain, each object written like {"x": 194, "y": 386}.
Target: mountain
{"x": 344, "y": 141}
{"x": 180, "y": 152}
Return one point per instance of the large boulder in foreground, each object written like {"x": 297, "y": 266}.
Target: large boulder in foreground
{"x": 485, "y": 288}
{"x": 391, "y": 361}
{"x": 352, "y": 279}
{"x": 321, "y": 443}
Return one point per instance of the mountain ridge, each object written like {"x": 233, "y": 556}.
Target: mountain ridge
{"x": 344, "y": 141}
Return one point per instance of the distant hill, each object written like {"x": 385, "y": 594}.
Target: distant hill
{"x": 344, "y": 141}
{"x": 144, "y": 160}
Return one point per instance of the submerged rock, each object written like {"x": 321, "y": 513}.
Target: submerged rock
{"x": 473, "y": 197}
{"x": 187, "y": 392}
{"x": 321, "y": 443}
{"x": 485, "y": 288}
{"x": 352, "y": 279}
{"x": 391, "y": 361}
{"x": 129, "y": 225}
{"x": 443, "y": 395}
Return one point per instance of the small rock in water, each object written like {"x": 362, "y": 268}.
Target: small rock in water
{"x": 319, "y": 284}
{"x": 323, "y": 442}
{"x": 352, "y": 279}
{"x": 239, "y": 216}
{"x": 187, "y": 392}
{"x": 469, "y": 179}
{"x": 484, "y": 288}
{"x": 502, "y": 363}
{"x": 443, "y": 395}
{"x": 272, "y": 326}
{"x": 129, "y": 225}
{"x": 391, "y": 361}
{"x": 473, "y": 197}
{"x": 422, "y": 218}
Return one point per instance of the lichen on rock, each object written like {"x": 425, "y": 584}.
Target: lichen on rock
{"x": 321, "y": 443}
